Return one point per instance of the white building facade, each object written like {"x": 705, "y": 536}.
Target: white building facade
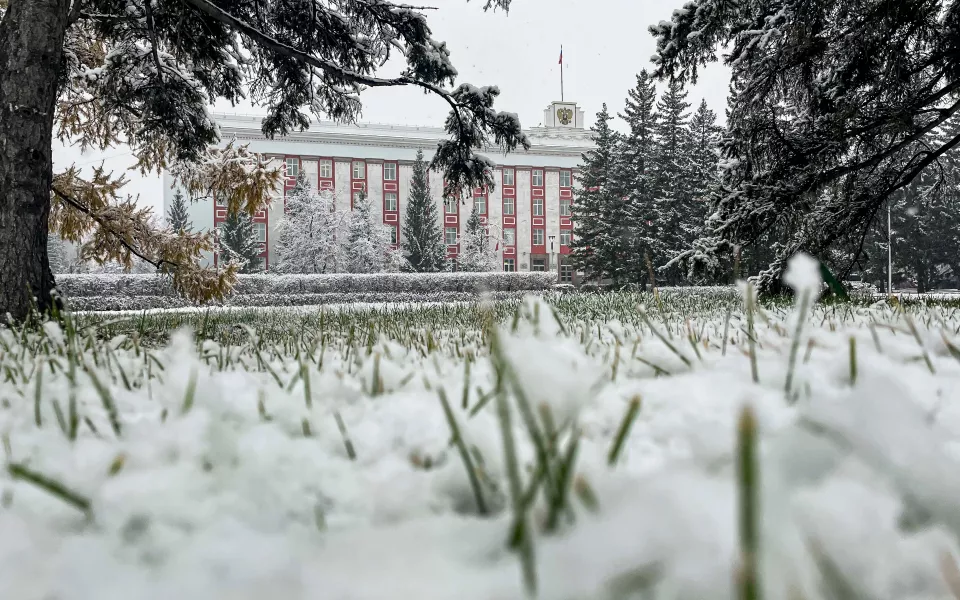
{"x": 527, "y": 213}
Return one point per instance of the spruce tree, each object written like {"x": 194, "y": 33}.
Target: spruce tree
{"x": 476, "y": 252}
{"x": 178, "y": 218}
{"x": 57, "y": 254}
{"x": 422, "y": 242}
{"x": 638, "y": 157}
{"x": 238, "y": 242}
{"x": 597, "y": 243}
{"x": 673, "y": 215}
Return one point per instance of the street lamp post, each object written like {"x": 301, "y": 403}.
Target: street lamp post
{"x": 553, "y": 237}
{"x": 889, "y": 254}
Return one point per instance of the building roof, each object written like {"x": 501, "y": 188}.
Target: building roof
{"x": 550, "y": 146}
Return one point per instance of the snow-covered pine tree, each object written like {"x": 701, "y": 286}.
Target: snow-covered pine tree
{"x": 705, "y": 136}
{"x": 312, "y": 232}
{"x": 596, "y": 246}
{"x": 477, "y": 253}
{"x": 57, "y": 254}
{"x": 673, "y": 219}
{"x": 178, "y": 218}
{"x": 145, "y": 73}
{"x": 422, "y": 241}
{"x": 238, "y": 242}
{"x": 368, "y": 248}
{"x": 637, "y": 162}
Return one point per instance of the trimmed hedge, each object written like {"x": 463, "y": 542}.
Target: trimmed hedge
{"x": 99, "y": 292}
{"x": 123, "y": 303}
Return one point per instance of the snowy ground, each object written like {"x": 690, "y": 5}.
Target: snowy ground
{"x": 330, "y": 470}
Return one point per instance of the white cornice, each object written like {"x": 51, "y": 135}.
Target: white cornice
{"x": 547, "y": 141}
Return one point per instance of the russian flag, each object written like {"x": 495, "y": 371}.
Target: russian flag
{"x": 561, "y": 56}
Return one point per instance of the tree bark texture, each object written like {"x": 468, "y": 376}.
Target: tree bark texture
{"x": 31, "y": 46}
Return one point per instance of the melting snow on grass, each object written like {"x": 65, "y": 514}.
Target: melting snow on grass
{"x": 572, "y": 457}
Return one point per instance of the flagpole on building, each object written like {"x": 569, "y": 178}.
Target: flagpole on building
{"x": 561, "y": 73}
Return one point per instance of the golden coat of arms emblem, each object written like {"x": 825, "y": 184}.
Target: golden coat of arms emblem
{"x": 565, "y": 115}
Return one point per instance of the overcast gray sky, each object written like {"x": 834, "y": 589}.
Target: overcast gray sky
{"x": 605, "y": 43}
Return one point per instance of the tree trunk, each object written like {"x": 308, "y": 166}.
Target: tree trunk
{"x": 31, "y": 47}
{"x": 921, "y": 277}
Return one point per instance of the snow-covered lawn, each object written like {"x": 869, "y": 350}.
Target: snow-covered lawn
{"x": 591, "y": 452}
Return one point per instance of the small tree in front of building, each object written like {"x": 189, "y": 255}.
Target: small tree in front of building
{"x": 476, "y": 252}
{"x": 423, "y": 245}
{"x": 238, "y": 243}
{"x": 312, "y": 232}
{"x": 177, "y": 217}
{"x": 369, "y": 248}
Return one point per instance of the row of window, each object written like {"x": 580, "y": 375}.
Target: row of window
{"x": 510, "y": 237}
{"x": 259, "y": 231}
{"x": 509, "y": 206}
{"x": 536, "y": 178}
{"x": 540, "y": 264}
{"x": 325, "y": 167}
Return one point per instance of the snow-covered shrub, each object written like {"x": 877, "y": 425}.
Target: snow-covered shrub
{"x": 115, "y": 303}
{"x": 134, "y": 292}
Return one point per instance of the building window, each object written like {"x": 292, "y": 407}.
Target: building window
{"x": 293, "y": 166}
{"x": 566, "y": 237}
{"x": 508, "y": 177}
{"x": 538, "y": 178}
{"x": 357, "y": 197}
{"x": 326, "y": 169}
{"x": 221, "y": 202}
{"x": 389, "y": 171}
{"x": 565, "y": 179}
{"x": 450, "y": 236}
{"x": 565, "y": 204}
{"x": 450, "y": 206}
{"x": 390, "y": 202}
{"x": 538, "y": 264}
{"x": 260, "y": 230}
{"x": 538, "y": 235}
{"x": 510, "y": 237}
{"x": 509, "y": 265}
{"x": 393, "y": 236}
{"x": 538, "y": 207}
{"x": 480, "y": 203}
{"x": 508, "y": 206}
{"x": 566, "y": 273}
{"x": 359, "y": 169}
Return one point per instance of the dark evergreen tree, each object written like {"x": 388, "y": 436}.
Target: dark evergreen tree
{"x": 238, "y": 242}
{"x": 673, "y": 214}
{"x": 600, "y": 244}
{"x": 422, "y": 242}
{"x": 822, "y": 130}
{"x": 636, "y": 171}
{"x": 58, "y": 255}
{"x": 177, "y": 217}
{"x": 705, "y": 137}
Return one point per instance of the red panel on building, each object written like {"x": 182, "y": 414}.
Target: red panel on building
{"x": 451, "y": 220}
{"x": 538, "y": 211}
{"x": 508, "y": 204}
{"x": 358, "y": 178}
{"x": 566, "y": 201}
{"x": 391, "y": 197}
